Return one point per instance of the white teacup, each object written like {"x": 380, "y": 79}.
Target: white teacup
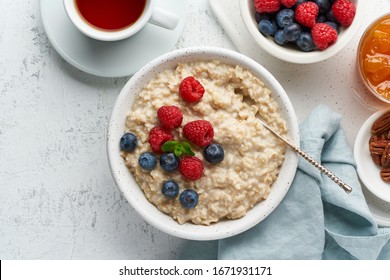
{"x": 151, "y": 14}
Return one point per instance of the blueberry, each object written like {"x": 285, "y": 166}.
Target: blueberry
{"x": 189, "y": 199}
{"x": 305, "y": 42}
{"x": 330, "y": 16}
{"x": 280, "y": 37}
{"x": 170, "y": 189}
{"x": 321, "y": 18}
{"x": 334, "y": 25}
{"x": 214, "y": 153}
{"x": 169, "y": 162}
{"x": 260, "y": 16}
{"x": 128, "y": 142}
{"x": 324, "y": 5}
{"x": 267, "y": 27}
{"x": 284, "y": 17}
{"x": 292, "y": 32}
{"x": 147, "y": 161}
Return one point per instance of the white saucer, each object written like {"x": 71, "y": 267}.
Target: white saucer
{"x": 110, "y": 59}
{"x": 379, "y": 209}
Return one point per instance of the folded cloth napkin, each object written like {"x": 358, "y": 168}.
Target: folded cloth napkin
{"x": 316, "y": 219}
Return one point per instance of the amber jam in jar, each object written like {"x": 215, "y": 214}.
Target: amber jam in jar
{"x": 374, "y": 58}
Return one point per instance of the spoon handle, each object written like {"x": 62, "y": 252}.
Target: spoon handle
{"x": 320, "y": 167}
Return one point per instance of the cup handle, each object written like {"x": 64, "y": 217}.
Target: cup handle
{"x": 164, "y": 18}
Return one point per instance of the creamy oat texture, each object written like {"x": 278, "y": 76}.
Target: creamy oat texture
{"x": 252, "y": 155}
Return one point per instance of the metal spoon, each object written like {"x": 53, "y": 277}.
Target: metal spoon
{"x": 323, "y": 169}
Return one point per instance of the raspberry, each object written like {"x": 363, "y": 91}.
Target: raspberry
{"x": 170, "y": 117}
{"x": 157, "y": 137}
{"x": 323, "y": 35}
{"x": 288, "y": 3}
{"x": 199, "y": 132}
{"x": 191, "y": 168}
{"x": 267, "y": 6}
{"x": 306, "y": 13}
{"x": 344, "y": 11}
{"x": 191, "y": 90}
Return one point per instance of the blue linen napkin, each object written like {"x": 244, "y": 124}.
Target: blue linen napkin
{"x": 316, "y": 219}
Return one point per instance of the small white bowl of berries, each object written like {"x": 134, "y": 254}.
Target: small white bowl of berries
{"x": 302, "y": 31}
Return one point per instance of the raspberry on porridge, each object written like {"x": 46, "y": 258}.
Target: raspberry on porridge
{"x": 245, "y": 162}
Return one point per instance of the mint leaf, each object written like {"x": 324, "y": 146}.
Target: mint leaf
{"x": 187, "y": 149}
{"x": 169, "y": 146}
{"x": 178, "y": 150}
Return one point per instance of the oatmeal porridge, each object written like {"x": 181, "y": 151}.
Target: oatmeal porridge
{"x": 252, "y": 155}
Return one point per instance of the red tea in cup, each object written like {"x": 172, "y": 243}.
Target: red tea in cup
{"x": 110, "y": 15}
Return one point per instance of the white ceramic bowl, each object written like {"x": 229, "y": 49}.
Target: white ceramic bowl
{"x": 134, "y": 194}
{"x": 368, "y": 171}
{"x": 291, "y": 54}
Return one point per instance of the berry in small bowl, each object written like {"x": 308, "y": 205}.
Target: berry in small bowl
{"x": 328, "y": 26}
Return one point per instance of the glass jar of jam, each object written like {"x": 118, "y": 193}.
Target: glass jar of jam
{"x": 374, "y": 58}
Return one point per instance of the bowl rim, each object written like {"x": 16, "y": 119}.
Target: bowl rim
{"x": 365, "y": 81}
{"x": 297, "y": 56}
{"x": 123, "y": 178}
{"x": 367, "y": 170}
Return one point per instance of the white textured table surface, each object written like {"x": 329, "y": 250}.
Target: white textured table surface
{"x": 57, "y": 197}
